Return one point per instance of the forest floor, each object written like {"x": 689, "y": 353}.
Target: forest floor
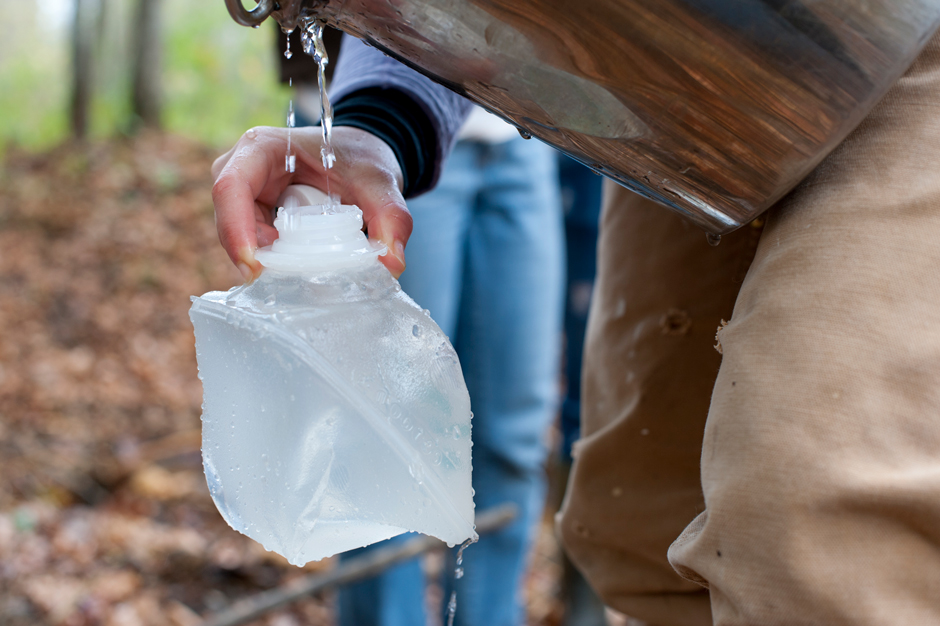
{"x": 105, "y": 517}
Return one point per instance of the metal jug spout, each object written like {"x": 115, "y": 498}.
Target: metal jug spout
{"x": 287, "y": 13}
{"x": 712, "y": 108}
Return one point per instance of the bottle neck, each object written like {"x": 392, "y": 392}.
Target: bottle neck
{"x": 319, "y": 238}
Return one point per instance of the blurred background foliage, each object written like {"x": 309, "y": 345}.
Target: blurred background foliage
{"x": 216, "y": 78}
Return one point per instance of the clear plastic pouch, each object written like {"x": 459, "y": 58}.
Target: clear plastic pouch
{"x": 335, "y": 412}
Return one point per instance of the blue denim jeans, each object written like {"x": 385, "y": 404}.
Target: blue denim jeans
{"x": 581, "y": 195}
{"x": 487, "y": 259}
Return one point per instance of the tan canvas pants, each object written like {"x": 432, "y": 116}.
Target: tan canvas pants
{"x": 804, "y": 462}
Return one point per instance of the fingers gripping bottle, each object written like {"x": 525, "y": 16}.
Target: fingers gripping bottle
{"x": 335, "y": 413}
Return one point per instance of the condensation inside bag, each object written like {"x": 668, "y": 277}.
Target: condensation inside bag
{"x": 335, "y": 412}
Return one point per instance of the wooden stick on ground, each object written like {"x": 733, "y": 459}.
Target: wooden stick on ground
{"x": 350, "y": 571}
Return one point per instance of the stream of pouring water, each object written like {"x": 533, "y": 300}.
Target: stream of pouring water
{"x": 458, "y": 574}
{"x": 290, "y": 161}
{"x": 312, "y": 37}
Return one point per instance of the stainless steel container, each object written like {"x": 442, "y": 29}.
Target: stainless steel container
{"x": 714, "y": 108}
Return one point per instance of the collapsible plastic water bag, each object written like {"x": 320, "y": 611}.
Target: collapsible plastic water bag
{"x": 335, "y": 412}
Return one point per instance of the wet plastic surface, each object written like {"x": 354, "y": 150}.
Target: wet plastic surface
{"x": 335, "y": 413}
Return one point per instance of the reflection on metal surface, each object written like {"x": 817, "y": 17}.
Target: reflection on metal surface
{"x": 713, "y": 108}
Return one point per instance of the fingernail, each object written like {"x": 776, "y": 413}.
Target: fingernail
{"x": 247, "y": 264}
{"x": 398, "y": 251}
{"x": 395, "y": 251}
{"x": 246, "y": 272}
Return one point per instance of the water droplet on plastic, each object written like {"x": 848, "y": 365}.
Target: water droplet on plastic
{"x": 271, "y": 300}
{"x": 712, "y": 239}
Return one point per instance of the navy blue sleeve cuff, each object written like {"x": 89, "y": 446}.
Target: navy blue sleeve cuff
{"x": 398, "y": 120}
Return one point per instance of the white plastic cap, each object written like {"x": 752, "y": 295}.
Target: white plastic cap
{"x": 315, "y": 234}
{"x": 303, "y": 195}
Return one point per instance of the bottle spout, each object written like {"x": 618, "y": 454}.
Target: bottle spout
{"x": 315, "y": 234}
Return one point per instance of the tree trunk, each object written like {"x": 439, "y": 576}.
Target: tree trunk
{"x": 84, "y": 34}
{"x": 147, "y": 99}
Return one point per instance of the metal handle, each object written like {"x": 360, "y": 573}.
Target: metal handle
{"x": 253, "y": 17}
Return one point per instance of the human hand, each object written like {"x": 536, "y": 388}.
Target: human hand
{"x": 251, "y": 176}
